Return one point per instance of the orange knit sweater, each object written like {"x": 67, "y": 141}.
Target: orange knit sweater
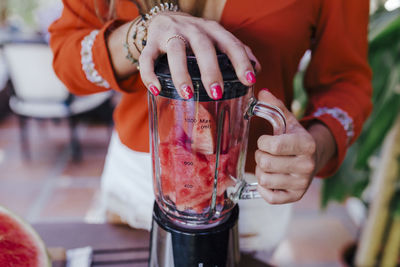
{"x": 338, "y": 79}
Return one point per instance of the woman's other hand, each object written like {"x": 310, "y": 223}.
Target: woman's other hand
{"x": 287, "y": 163}
{"x": 173, "y": 32}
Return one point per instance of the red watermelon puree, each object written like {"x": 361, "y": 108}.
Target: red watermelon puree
{"x": 187, "y": 176}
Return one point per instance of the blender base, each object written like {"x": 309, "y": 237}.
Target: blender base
{"x": 172, "y": 245}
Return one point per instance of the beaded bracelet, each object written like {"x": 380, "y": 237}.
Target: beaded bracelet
{"x": 129, "y": 55}
{"x": 146, "y": 18}
{"x": 160, "y": 8}
{"x": 140, "y": 34}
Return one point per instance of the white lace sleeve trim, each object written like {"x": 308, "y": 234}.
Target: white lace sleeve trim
{"x": 345, "y": 120}
{"x": 87, "y": 60}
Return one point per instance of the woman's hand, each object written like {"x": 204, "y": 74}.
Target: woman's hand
{"x": 173, "y": 32}
{"x": 287, "y": 163}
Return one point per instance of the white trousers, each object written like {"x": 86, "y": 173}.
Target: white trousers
{"x": 126, "y": 184}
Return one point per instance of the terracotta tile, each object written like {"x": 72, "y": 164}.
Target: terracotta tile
{"x": 68, "y": 203}
{"x": 19, "y": 196}
{"x": 13, "y": 167}
{"x": 94, "y": 142}
{"x": 95, "y": 134}
{"x": 48, "y": 132}
{"x": 8, "y": 131}
{"x": 88, "y": 167}
{"x": 8, "y": 121}
{"x": 43, "y": 140}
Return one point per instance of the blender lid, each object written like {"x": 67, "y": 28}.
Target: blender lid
{"x": 233, "y": 88}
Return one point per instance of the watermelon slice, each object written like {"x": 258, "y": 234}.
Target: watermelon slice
{"x": 20, "y": 245}
{"x": 203, "y": 131}
{"x": 166, "y": 113}
{"x": 187, "y": 176}
{"x": 193, "y": 118}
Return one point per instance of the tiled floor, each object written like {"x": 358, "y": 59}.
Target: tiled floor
{"x": 50, "y": 187}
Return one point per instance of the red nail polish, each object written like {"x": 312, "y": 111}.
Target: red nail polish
{"x": 216, "y": 91}
{"x": 266, "y": 89}
{"x": 187, "y": 92}
{"x": 251, "y": 78}
{"x": 154, "y": 90}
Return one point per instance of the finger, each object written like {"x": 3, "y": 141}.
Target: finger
{"x": 291, "y": 122}
{"x": 146, "y": 63}
{"x": 206, "y": 56}
{"x": 284, "y": 164}
{"x": 273, "y": 180}
{"x": 280, "y": 181}
{"x": 267, "y": 97}
{"x": 253, "y": 58}
{"x": 176, "y": 53}
{"x": 287, "y": 144}
{"x": 273, "y": 196}
{"x": 236, "y": 52}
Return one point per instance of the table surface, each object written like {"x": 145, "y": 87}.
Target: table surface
{"x": 104, "y": 237}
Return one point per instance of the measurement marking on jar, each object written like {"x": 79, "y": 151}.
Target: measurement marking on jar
{"x": 188, "y": 163}
{"x": 188, "y": 185}
{"x": 192, "y": 120}
{"x": 207, "y": 126}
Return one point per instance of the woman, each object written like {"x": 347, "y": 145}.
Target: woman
{"x": 89, "y": 56}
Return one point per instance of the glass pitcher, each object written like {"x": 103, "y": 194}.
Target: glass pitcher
{"x": 199, "y": 145}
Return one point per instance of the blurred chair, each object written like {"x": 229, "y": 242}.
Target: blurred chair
{"x": 39, "y": 94}
{"x": 4, "y": 88}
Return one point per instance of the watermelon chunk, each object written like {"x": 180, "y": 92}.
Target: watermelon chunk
{"x": 187, "y": 176}
{"x": 20, "y": 245}
{"x": 203, "y": 131}
{"x": 193, "y": 118}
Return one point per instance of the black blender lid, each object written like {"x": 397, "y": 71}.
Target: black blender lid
{"x": 233, "y": 88}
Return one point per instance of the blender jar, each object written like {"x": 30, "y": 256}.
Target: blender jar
{"x": 199, "y": 145}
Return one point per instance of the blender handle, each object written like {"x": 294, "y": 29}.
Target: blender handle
{"x": 277, "y": 119}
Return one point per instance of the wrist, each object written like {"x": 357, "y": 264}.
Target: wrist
{"x": 325, "y": 144}
{"x": 126, "y": 43}
{"x": 122, "y": 66}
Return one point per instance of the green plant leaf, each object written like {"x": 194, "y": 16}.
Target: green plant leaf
{"x": 382, "y": 62}
{"x": 380, "y": 121}
{"x": 395, "y": 203}
{"x": 382, "y": 25}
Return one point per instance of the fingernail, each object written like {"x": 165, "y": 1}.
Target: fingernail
{"x": 187, "y": 92}
{"x": 266, "y": 89}
{"x": 216, "y": 91}
{"x": 251, "y": 77}
{"x": 154, "y": 90}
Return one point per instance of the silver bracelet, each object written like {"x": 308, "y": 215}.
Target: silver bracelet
{"x": 88, "y": 66}
{"x": 140, "y": 35}
{"x": 160, "y": 8}
{"x": 129, "y": 55}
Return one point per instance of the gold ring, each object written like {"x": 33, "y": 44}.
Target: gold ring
{"x": 180, "y": 37}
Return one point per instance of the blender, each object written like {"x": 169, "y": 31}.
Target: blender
{"x": 198, "y": 149}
